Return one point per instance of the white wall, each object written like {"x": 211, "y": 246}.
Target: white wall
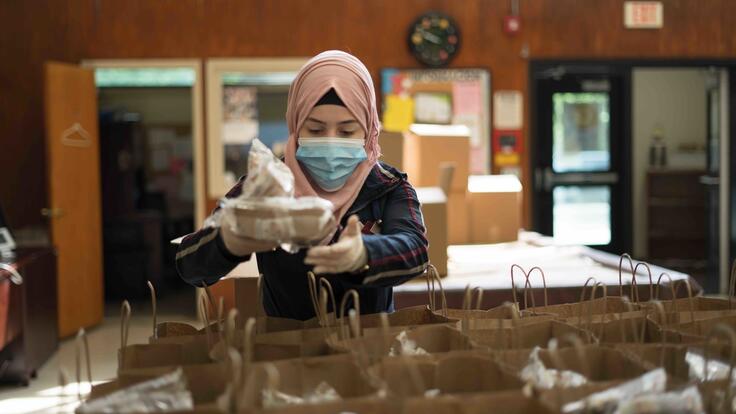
{"x": 675, "y": 100}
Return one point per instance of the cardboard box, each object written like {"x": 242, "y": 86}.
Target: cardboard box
{"x": 495, "y": 208}
{"x": 434, "y": 211}
{"x": 392, "y": 148}
{"x": 457, "y": 218}
{"x": 428, "y": 146}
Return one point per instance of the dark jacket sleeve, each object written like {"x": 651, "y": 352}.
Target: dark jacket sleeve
{"x": 202, "y": 256}
{"x": 399, "y": 253}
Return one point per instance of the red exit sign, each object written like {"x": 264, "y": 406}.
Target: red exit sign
{"x": 643, "y": 15}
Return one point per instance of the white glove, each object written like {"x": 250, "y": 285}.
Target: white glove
{"x": 242, "y": 246}
{"x": 347, "y": 255}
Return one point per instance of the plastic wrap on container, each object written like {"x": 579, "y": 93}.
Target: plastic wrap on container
{"x": 608, "y": 400}
{"x": 536, "y": 375}
{"x": 324, "y": 392}
{"x": 687, "y": 401}
{"x": 267, "y": 175}
{"x": 301, "y": 221}
{"x": 717, "y": 370}
{"x": 266, "y": 209}
{"x": 159, "y": 395}
{"x": 406, "y": 346}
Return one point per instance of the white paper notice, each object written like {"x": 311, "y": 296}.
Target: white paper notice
{"x": 508, "y": 112}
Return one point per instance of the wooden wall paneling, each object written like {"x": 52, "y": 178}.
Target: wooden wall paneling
{"x": 373, "y": 30}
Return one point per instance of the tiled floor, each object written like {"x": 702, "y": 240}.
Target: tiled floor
{"x": 45, "y": 395}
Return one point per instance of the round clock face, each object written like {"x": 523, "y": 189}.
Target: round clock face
{"x": 434, "y": 39}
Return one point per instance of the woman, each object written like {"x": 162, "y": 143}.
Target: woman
{"x": 333, "y": 153}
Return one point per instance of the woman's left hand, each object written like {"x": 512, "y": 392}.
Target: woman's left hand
{"x": 347, "y": 255}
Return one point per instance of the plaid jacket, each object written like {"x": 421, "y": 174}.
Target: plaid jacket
{"x": 393, "y": 233}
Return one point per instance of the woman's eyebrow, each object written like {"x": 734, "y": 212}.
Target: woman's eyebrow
{"x": 316, "y": 120}
{"x": 349, "y": 121}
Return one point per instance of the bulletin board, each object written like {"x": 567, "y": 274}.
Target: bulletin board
{"x": 441, "y": 96}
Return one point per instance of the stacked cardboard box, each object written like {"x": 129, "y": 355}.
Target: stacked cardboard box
{"x": 426, "y": 148}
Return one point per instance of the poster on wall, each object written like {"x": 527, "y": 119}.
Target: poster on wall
{"x": 441, "y": 96}
{"x": 239, "y": 128}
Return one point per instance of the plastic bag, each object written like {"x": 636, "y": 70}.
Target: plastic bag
{"x": 266, "y": 209}
{"x": 687, "y": 401}
{"x": 324, "y": 392}
{"x": 406, "y": 346}
{"x": 717, "y": 370}
{"x": 536, "y": 375}
{"x": 267, "y": 175}
{"x": 162, "y": 394}
{"x": 608, "y": 400}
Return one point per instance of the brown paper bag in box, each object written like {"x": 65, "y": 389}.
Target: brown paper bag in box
{"x": 450, "y": 373}
{"x": 155, "y": 355}
{"x": 430, "y": 339}
{"x": 355, "y": 405}
{"x": 267, "y": 384}
{"x": 525, "y": 336}
{"x": 205, "y": 381}
{"x": 671, "y": 357}
{"x": 507, "y": 402}
{"x": 596, "y": 363}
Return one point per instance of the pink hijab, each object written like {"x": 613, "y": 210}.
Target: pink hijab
{"x": 352, "y": 82}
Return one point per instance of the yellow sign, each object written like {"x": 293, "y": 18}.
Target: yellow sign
{"x": 398, "y": 114}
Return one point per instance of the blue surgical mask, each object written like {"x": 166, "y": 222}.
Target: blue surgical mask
{"x": 331, "y": 161}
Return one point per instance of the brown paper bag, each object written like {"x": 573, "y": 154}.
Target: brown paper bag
{"x": 205, "y": 381}
{"x": 271, "y": 385}
{"x": 424, "y": 339}
{"x": 526, "y": 336}
{"x": 450, "y": 373}
{"x": 507, "y": 402}
{"x": 155, "y": 355}
{"x": 671, "y": 357}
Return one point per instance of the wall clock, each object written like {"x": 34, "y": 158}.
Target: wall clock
{"x": 434, "y": 39}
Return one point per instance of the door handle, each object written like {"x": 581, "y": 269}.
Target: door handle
{"x": 546, "y": 179}
{"x": 709, "y": 180}
{"x": 52, "y": 212}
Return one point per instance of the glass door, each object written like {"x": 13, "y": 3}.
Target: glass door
{"x": 578, "y": 146}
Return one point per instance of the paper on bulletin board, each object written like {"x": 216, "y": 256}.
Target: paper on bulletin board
{"x": 508, "y": 110}
{"x": 432, "y": 108}
{"x": 478, "y": 147}
{"x": 398, "y": 114}
{"x": 466, "y": 97}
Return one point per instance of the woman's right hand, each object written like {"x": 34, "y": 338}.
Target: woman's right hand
{"x": 243, "y": 246}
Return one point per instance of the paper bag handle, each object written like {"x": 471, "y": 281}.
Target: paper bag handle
{"x": 81, "y": 341}
{"x": 124, "y": 327}
{"x": 605, "y": 307}
{"x": 203, "y": 306}
{"x": 152, "y": 290}
{"x": 620, "y": 282}
{"x": 651, "y": 284}
{"x": 732, "y": 287}
{"x": 691, "y": 302}
{"x": 354, "y": 324}
{"x": 515, "y": 266}
{"x": 434, "y": 276}
{"x": 672, "y": 288}
{"x": 327, "y": 285}
{"x": 248, "y": 345}
{"x": 544, "y": 284}
{"x": 582, "y": 298}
